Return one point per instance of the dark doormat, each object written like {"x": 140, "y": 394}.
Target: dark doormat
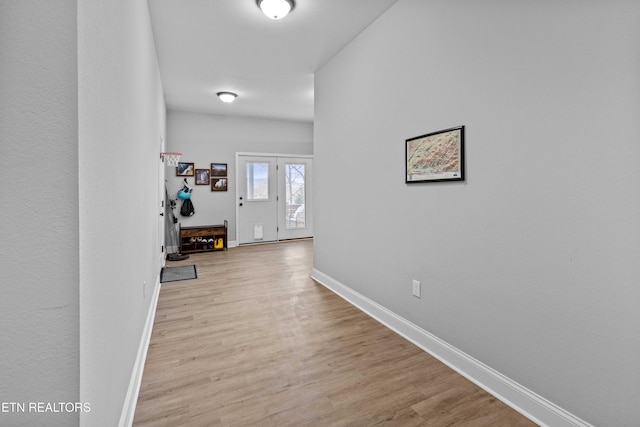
{"x": 173, "y": 274}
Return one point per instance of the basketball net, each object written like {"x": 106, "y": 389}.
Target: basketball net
{"x": 170, "y": 159}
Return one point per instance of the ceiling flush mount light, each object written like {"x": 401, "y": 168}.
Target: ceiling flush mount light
{"x": 227, "y": 96}
{"x": 275, "y": 9}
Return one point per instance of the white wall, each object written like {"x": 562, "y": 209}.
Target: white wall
{"x": 121, "y": 121}
{"x": 39, "y": 351}
{"x": 531, "y": 265}
{"x": 204, "y": 139}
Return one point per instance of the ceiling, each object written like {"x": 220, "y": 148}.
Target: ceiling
{"x": 208, "y": 46}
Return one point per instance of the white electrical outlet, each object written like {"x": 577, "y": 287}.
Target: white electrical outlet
{"x": 416, "y": 288}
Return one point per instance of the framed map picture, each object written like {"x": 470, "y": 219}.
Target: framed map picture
{"x": 436, "y": 156}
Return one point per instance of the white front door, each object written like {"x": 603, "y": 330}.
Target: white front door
{"x": 257, "y": 199}
{"x": 273, "y": 198}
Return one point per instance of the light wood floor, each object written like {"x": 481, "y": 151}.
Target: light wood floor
{"x": 253, "y": 341}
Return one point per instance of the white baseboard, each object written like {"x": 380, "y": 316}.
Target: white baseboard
{"x": 131, "y": 400}
{"x": 232, "y": 244}
{"x": 523, "y": 400}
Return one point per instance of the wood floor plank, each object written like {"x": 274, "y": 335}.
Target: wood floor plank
{"x": 253, "y": 341}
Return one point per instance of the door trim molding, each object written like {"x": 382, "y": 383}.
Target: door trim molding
{"x": 302, "y": 156}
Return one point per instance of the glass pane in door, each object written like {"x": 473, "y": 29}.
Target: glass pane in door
{"x": 295, "y": 195}
{"x": 257, "y": 181}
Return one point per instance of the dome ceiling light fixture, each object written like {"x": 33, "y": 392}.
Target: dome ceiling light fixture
{"x": 275, "y": 9}
{"x": 227, "y": 96}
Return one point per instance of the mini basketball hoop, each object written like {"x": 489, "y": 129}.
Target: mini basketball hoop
{"x": 170, "y": 159}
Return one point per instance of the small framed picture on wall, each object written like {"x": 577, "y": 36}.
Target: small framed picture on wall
{"x": 185, "y": 169}
{"x": 202, "y": 177}
{"x": 435, "y": 157}
{"x": 218, "y": 169}
{"x": 219, "y": 184}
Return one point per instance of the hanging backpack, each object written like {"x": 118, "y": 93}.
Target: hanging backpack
{"x": 187, "y": 208}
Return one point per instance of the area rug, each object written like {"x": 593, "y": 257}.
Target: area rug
{"x": 174, "y": 274}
